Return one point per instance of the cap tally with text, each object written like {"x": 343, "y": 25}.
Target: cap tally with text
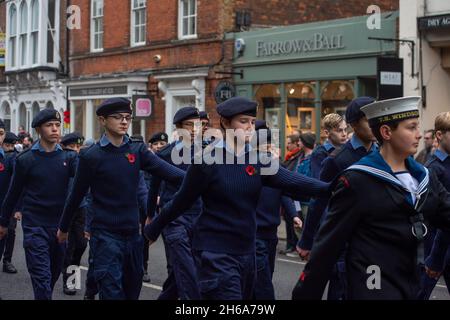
{"x": 392, "y": 110}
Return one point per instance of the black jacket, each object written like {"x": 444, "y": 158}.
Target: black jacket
{"x": 372, "y": 215}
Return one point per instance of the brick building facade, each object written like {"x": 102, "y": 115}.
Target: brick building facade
{"x": 35, "y": 60}
{"x": 173, "y": 50}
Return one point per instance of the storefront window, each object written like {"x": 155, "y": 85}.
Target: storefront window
{"x": 301, "y": 113}
{"x": 269, "y": 107}
{"x": 336, "y": 95}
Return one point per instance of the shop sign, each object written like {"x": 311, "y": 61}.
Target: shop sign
{"x": 318, "y": 42}
{"x": 224, "y": 91}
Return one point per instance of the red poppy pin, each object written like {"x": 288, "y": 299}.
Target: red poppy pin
{"x": 250, "y": 170}
{"x": 131, "y": 157}
{"x": 2, "y": 167}
{"x": 302, "y": 276}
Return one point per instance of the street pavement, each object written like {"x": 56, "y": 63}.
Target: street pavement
{"x": 287, "y": 269}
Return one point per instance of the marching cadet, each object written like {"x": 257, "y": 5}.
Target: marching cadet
{"x": 77, "y": 243}
{"x": 111, "y": 169}
{"x": 158, "y": 141}
{"x": 177, "y": 235}
{"x": 335, "y": 129}
{"x": 5, "y": 172}
{"x": 382, "y": 207}
{"x": 72, "y": 142}
{"x": 41, "y": 176}
{"x": 267, "y": 221}
{"x": 438, "y": 260}
{"x": 224, "y": 234}
{"x": 10, "y": 142}
{"x": 7, "y": 244}
{"x": 155, "y": 144}
{"x": 361, "y": 144}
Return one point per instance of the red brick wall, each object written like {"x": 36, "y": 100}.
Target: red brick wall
{"x": 286, "y": 12}
{"x": 80, "y": 38}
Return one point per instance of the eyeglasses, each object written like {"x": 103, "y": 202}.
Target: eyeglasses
{"x": 120, "y": 118}
{"x": 191, "y": 125}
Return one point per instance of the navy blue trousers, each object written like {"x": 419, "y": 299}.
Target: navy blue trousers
{"x": 7, "y": 243}
{"x": 265, "y": 266}
{"x": 44, "y": 258}
{"x": 182, "y": 273}
{"x": 225, "y": 276}
{"x": 91, "y": 284}
{"x": 117, "y": 264}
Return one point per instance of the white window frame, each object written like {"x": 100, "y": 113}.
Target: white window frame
{"x": 133, "y": 26}
{"x": 12, "y": 38}
{"x": 181, "y": 4}
{"x": 35, "y": 9}
{"x": 93, "y": 32}
{"x": 23, "y": 34}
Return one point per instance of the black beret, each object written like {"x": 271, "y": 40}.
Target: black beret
{"x": 44, "y": 116}
{"x": 204, "y": 115}
{"x": 2, "y": 124}
{"x": 308, "y": 140}
{"x": 10, "y": 138}
{"x": 186, "y": 113}
{"x": 114, "y": 105}
{"x": 353, "y": 112}
{"x": 235, "y": 106}
{"x": 159, "y": 136}
{"x": 73, "y": 137}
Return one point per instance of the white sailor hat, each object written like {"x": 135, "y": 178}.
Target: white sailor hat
{"x": 392, "y": 110}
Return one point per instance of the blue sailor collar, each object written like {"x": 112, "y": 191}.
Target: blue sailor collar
{"x": 375, "y": 165}
{"x": 2, "y": 152}
{"x": 441, "y": 155}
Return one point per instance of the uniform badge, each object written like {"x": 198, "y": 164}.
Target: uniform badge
{"x": 131, "y": 158}
{"x": 57, "y": 115}
{"x": 2, "y": 167}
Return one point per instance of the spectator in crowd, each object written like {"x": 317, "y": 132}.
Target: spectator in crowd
{"x": 425, "y": 154}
